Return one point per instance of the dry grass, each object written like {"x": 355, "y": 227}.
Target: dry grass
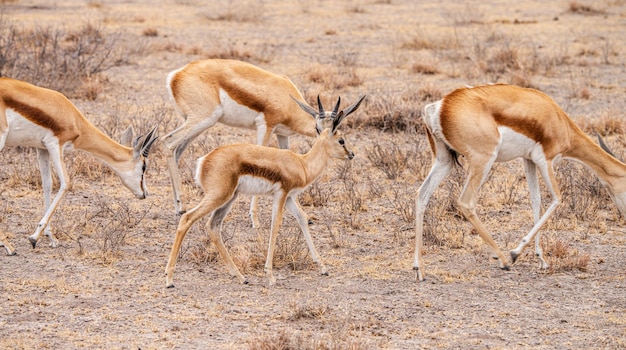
{"x": 114, "y": 249}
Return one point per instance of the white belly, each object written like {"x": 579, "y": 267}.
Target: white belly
{"x": 237, "y": 115}
{"x": 23, "y": 132}
{"x": 256, "y": 186}
{"x": 515, "y": 145}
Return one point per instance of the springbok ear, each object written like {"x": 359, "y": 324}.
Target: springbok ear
{"x": 305, "y": 107}
{"x": 346, "y": 112}
{"x": 127, "y": 136}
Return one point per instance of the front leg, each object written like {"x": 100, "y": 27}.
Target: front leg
{"x": 43, "y": 158}
{"x": 263, "y": 135}
{"x": 277, "y": 218}
{"x": 295, "y": 210}
{"x": 535, "y": 201}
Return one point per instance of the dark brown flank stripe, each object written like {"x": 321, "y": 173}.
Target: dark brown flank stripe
{"x": 266, "y": 173}
{"x": 242, "y": 97}
{"x": 33, "y": 114}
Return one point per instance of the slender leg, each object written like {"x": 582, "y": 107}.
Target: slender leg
{"x": 175, "y": 144}
{"x": 535, "y": 200}
{"x": 478, "y": 170}
{"x": 56, "y": 155}
{"x": 277, "y": 219}
{"x": 547, "y": 173}
{"x": 43, "y": 157}
{"x": 440, "y": 169}
{"x": 263, "y": 134}
{"x": 205, "y": 207}
{"x": 215, "y": 227}
{"x": 292, "y": 206}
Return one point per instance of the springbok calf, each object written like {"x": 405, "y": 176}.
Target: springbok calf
{"x": 32, "y": 116}
{"x": 237, "y": 94}
{"x": 257, "y": 170}
{"x": 499, "y": 123}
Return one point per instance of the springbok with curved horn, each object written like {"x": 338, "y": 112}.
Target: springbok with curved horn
{"x": 229, "y": 171}
{"x": 32, "y": 116}
{"x": 499, "y": 123}
{"x": 236, "y": 94}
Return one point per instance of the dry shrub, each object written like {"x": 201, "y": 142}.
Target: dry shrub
{"x": 286, "y": 339}
{"x": 608, "y": 123}
{"x": 20, "y": 167}
{"x": 311, "y": 308}
{"x": 424, "y": 68}
{"x": 334, "y": 77}
{"x": 235, "y": 11}
{"x": 317, "y": 195}
{"x": 354, "y": 204}
{"x": 393, "y": 113}
{"x": 582, "y": 192}
{"x": 562, "y": 257}
{"x": 578, "y": 8}
{"x": 392, "y": 160}
{"x": 429, "y": 40}
{"x": 402, "y": 199}
{"x": 238, "y": 51}
{"x": 151, "y": 32}
{"x": 58, "y": 59}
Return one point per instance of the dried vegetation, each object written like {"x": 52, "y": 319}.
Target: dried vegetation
{"x": 373, "y": 197}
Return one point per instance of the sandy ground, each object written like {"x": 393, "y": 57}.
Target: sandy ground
{"x": 93, "y": 292}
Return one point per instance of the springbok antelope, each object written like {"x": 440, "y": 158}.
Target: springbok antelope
{"x": 499, "y": 123}
{"x": 256, "y": 170}
{"x": 32, "y": 116}
{"x": 237, "y": 94}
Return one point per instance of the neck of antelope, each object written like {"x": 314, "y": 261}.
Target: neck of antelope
{"x": 96, "y": 143}
{"x": 611, "y": 171}
{"x": 317, "y": 159}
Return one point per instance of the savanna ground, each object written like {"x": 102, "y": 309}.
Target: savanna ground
{"x": 104, "y": 286}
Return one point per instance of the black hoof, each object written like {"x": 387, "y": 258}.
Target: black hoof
{"x": 311, "y": 222}
{"x": 513, "y": 257}
{"x": 246, "y": 282}
{"x": 170, "y": 286}
{"x": 12, "y": 254}
{"x": 324, "y": 273}
{"x": 33, "y": 243}
{"x": 181, "y": 212}
{"x": 506, "y": 268}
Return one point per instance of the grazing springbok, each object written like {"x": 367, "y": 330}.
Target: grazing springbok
{"x": 499, "y": 123}
{"x": 32, "y": 116}
{"x": 257, "y": 170}
{"x": 237, "y": 94}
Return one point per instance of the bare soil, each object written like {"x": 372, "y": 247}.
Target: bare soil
{"x": 104, "y": 286}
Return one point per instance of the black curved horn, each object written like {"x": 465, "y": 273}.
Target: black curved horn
{"x": 149, "y": 140}
{"x": 336, "y": 108}
{"x": 319, "y": 105}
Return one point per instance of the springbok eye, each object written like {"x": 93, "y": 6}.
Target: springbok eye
{"x": 342, "y": 142}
